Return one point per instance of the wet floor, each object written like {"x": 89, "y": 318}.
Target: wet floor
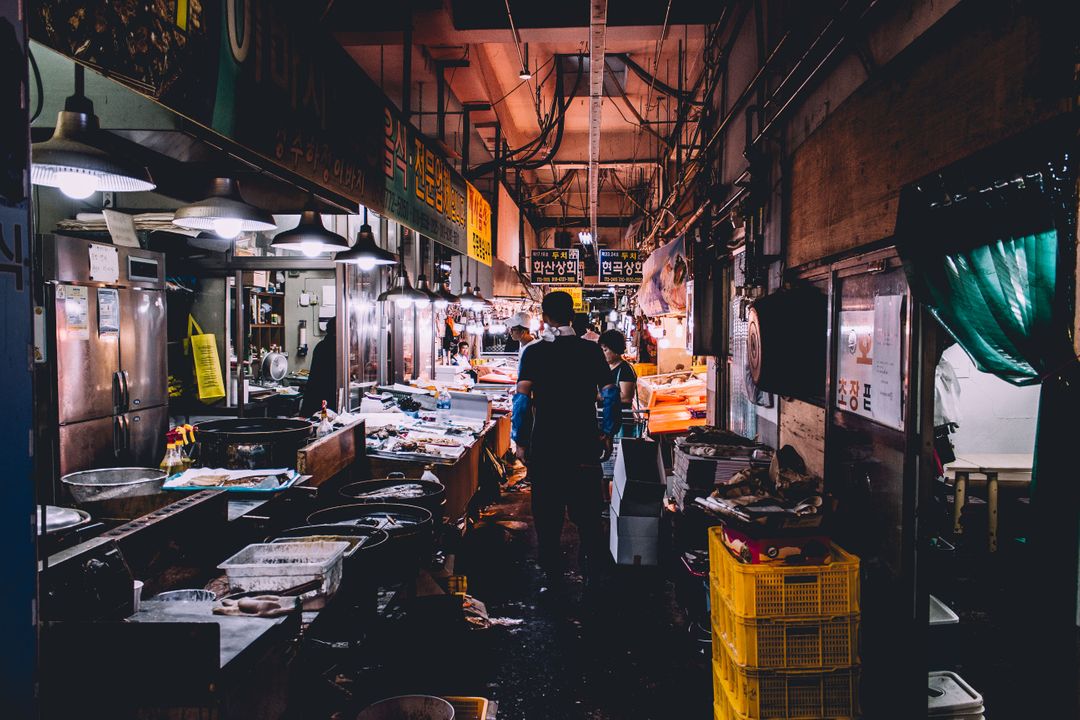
{"x": 619, "y": 650}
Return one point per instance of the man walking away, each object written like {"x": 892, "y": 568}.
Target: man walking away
{"x": 556, "y": 432}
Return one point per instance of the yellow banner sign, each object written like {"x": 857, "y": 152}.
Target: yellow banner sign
{"x": 575, "y": 292}
{"x": 478, "y": 220}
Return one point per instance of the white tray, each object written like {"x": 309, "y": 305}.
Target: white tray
{"x": 273, "y": 567}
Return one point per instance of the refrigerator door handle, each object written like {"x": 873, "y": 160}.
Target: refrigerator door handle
{"x": 126, "y": 391}
{"x": 118, "y": 392}
{"x": 127, "y": 432}
{"x": 118, "y": 435}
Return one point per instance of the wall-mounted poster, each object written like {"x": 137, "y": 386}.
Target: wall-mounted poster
{"x": 869, "y": 379}
{"x": 663, "y": 283}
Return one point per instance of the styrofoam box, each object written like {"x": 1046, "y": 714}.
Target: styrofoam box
{"x": 635, "y": 540}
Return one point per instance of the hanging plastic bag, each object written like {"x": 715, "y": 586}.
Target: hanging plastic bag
{"x": 207, "y": 364}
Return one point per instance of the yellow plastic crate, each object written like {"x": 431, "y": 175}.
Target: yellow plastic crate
{"x": 787, "y": 694}
{"x": 785, "y": 591}
{"x": 784, "y": 644}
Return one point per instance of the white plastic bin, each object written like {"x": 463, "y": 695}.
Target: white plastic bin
{"x": 273, "y": 567}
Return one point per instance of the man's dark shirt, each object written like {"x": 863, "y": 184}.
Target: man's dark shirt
{"x": 566, "y": 374}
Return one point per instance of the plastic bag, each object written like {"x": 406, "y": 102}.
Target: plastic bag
{"x": 207, "y": 364}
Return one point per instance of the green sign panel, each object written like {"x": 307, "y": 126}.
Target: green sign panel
{"x": 422, "y": 190}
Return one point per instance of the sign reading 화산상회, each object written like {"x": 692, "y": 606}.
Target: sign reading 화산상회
{"x": 551, "y": 266}
{"x": 619, "y": 266}
{"x": 479, "y": 226}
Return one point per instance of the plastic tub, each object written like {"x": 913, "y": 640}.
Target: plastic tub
{"x": 274, "y": 567}
{"x": 186, "y": 596}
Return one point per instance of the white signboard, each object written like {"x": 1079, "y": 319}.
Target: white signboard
{"x": 869, "y": 378}
{"x": 108, "y": 303}
{"x": 76, "y": 310}
{"x": 888, "y": 373}
{"x": 104, "y": 263}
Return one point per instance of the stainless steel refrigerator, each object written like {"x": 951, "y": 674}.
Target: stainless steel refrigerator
{"x": 107, "y": 352}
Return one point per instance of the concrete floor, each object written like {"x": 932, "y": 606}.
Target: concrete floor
{"x": 618, "y": 652}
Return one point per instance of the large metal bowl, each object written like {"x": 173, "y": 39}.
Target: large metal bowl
{"x": 409, "y": 707}
{"x": 117, "y": 493}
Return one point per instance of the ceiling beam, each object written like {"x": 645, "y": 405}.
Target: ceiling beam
{"x": 597, "y": 48}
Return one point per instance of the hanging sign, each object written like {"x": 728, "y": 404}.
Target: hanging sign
{"x": 619, "y": 266}
{"x": 422, "y": 190}
{"x": 260, "y": 74}
{"x": 576, "y": 292}
{"x": 869, "y": 377}
{"x": 663, "y": 283}
{"x": 478, "y": 219}
{"x": 550, "y": 266}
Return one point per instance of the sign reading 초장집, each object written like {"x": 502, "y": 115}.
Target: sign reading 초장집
{"x": 576, "y": 292}
{"x": 479, "y": 226}
{"x": 551, "y": 266}
{"x": 620, "y": 266}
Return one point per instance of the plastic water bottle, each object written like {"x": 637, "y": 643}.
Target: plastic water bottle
{"x": 442, "y": 407}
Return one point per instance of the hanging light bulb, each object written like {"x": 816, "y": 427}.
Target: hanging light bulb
{"x": 224, "y": 212}
{"x": 365, "y": 253}
{"x": 468, "y": 298}
{"x": 71, "y": 159}
{"x": 403, "y": 294}
{"x": 77, "y": 185}
{"x": 227, "y": 228}
{"x": 657, "y": 331}
{"x": 679, "y": 328}
{"x": 310, "y": 235}
{"x": 613, "y": 316}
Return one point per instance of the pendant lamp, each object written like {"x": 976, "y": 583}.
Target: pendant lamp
{"x": 423, "y": 286}
{"x": 446, "y": 295}
{"x": 403, "y": 294}
{"x": 310, "y": 236}
{"x": 483, "y": 301}
{"x": 224, "y": 212}
{"x": 468, "y": 298}
{"x": 71, "y": 161}
{"x": 365, "y": 253}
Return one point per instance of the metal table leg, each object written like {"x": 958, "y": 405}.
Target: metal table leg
{"x": 992, "y": 504}
{"x": 960, "y": 487}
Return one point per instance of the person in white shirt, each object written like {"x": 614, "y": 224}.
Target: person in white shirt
{"x": 520, "y": 332}
{"x": 463, "y": 357}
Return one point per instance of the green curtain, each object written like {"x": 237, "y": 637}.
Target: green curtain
{"x": 986, "y": 265}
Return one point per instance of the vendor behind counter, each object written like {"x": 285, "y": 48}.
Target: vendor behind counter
{"x": 322, "y": 377}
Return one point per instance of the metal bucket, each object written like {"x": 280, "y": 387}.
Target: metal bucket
{"x": 409, "y": 707}
{"x": 251, "y": 443}
{"x": 410, "y": 528}
{"x": 397, "y": 489}
{"x": 118, "y": 493}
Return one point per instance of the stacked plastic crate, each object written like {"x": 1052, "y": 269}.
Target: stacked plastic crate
{"x": 785, "y": 637}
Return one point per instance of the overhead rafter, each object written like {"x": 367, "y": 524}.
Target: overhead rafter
{"x": 597, "y": 47}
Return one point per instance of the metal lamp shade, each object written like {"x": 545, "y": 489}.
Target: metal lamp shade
{"x": 468, "y": 298}
{"x": 310, "y": 236}
{"x": 70, "y": 151}
{"x": 365, "y": 252}
{"x": 445, "y": 294}
{"x": 423, "y": 286}
{"x": 481, "y": 300}
{"x": 224, "y": 203}
{"x": 403, "y": 289}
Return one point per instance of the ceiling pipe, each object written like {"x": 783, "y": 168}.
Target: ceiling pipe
{"x": 772, "y": 99}
{"x": 597, "y": 47}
